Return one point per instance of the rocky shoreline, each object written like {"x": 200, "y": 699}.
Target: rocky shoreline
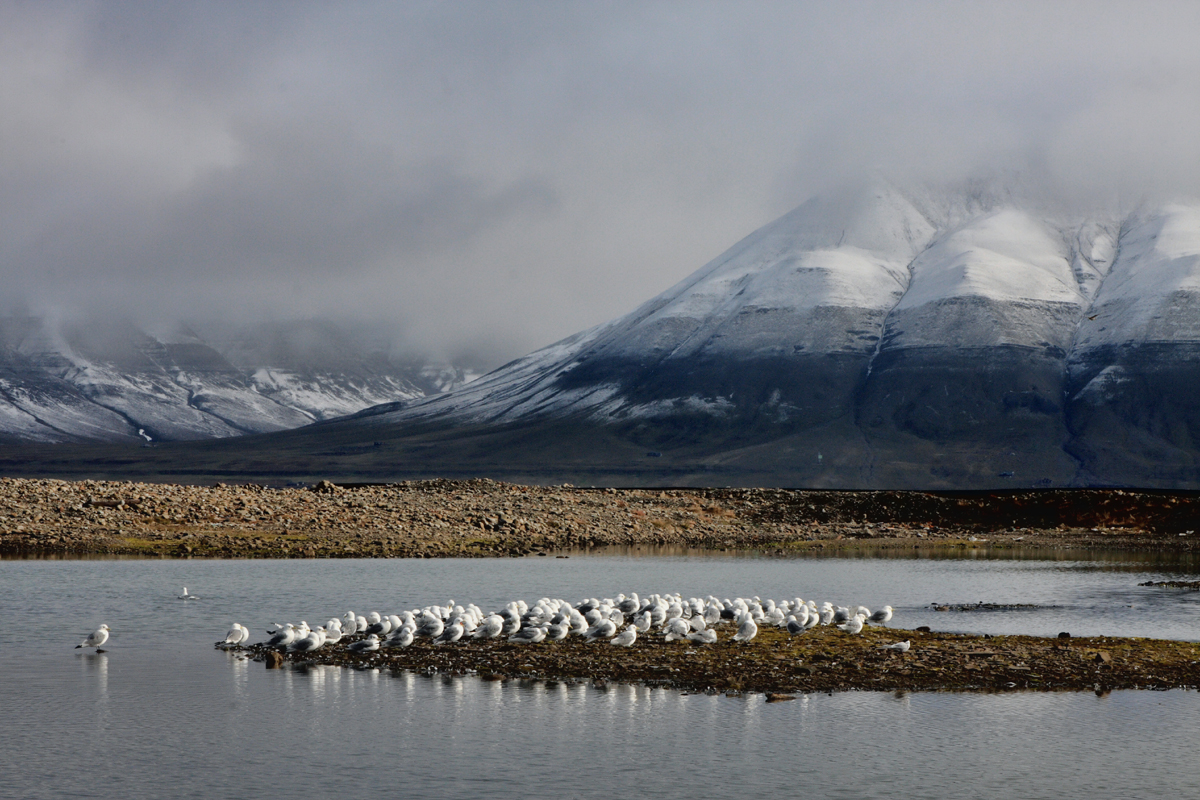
{"x": 484, "y": 518}
{"x": 779, "y": 665}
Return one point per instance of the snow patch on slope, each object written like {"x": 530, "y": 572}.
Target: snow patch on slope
{"x": 505, "y": 392}
{"x": 1000, "y": 279}
{"x": 1152, "y": 293}
{"x": 693, "y": 404}
{"x": 1006, "y": 256}
{"x": 321, "y": 397}
{"x": 850, "y": 251}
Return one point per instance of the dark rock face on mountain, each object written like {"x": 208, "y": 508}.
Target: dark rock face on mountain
{"x": 110, "y": 381}
{"x": 888, "y": 339}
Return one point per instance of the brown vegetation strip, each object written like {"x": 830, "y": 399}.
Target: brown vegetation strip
{"x": 487, "y": 518}
{"x": 824, "y": 659}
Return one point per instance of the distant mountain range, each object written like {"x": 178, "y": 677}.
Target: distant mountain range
{"x": 880, "y": 337}
{"x": 891, "y": 338}
{"x": 111, "y": 381}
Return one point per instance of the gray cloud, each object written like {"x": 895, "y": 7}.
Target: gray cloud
{"x": 486, "y": 178}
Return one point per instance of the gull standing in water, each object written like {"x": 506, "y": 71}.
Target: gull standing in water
{"x": 95, "y": 639}
{"x": 881, "y": 616}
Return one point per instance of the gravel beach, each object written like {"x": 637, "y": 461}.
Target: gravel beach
{"x": 486, "y": 518}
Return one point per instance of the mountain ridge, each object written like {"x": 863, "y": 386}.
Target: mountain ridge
{"x": 862, "y": 324}
{"x": 873, "y": 338}
{"x": 112, "y": 381}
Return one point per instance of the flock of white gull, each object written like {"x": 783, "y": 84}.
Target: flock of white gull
{"x": 619, "y": 621}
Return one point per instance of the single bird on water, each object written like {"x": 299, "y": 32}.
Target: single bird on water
{"x": 95, "y": 639}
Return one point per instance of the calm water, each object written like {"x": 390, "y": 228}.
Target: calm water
{"x": 162, "y": 714}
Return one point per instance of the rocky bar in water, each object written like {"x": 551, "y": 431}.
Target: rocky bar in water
{"x": 486, "y": 518}
{"x": 824, "y": 659}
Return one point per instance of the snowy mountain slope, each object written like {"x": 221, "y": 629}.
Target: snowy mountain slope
{"x": 910, "y": 337}
{"x": 50, "y": 410}
{"x": 850, "y": 253}
{"x": 976, "y": 347}
{"x": 810, "y": 291}
{"x": 112, "y": 381}
{"x": 1134, "y": 369}
{"x": 1007, "y": 259}
{"x": 327, "y": 394}
{"x": 1150, "y": 293}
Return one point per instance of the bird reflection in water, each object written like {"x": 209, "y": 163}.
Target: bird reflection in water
{"x": 95, "y": 671}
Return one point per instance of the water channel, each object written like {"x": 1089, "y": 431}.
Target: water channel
{"x": 163, "y": 714}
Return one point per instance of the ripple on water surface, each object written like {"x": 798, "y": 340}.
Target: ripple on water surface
{"x": 161, "y": 704}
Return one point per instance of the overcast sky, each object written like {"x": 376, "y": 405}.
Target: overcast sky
{"x": 490, "y": 177}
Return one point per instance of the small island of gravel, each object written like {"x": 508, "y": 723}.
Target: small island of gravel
{"x": 824, "y": 659}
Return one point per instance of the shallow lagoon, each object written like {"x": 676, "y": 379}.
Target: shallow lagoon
{"x": 163, "y": 714}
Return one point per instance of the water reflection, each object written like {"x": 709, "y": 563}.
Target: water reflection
{"x": 1185, "y": 562}
{"x": 95, "y": 672}
{"x": 239, "y": 675}
{"x": 320, "y": 676}
{"x": 522, "y": 735}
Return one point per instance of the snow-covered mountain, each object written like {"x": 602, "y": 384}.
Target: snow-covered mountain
{"x": 885, "y": 337}
{"x": 112, "y": 381}
{"x": 878, "y": 337}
